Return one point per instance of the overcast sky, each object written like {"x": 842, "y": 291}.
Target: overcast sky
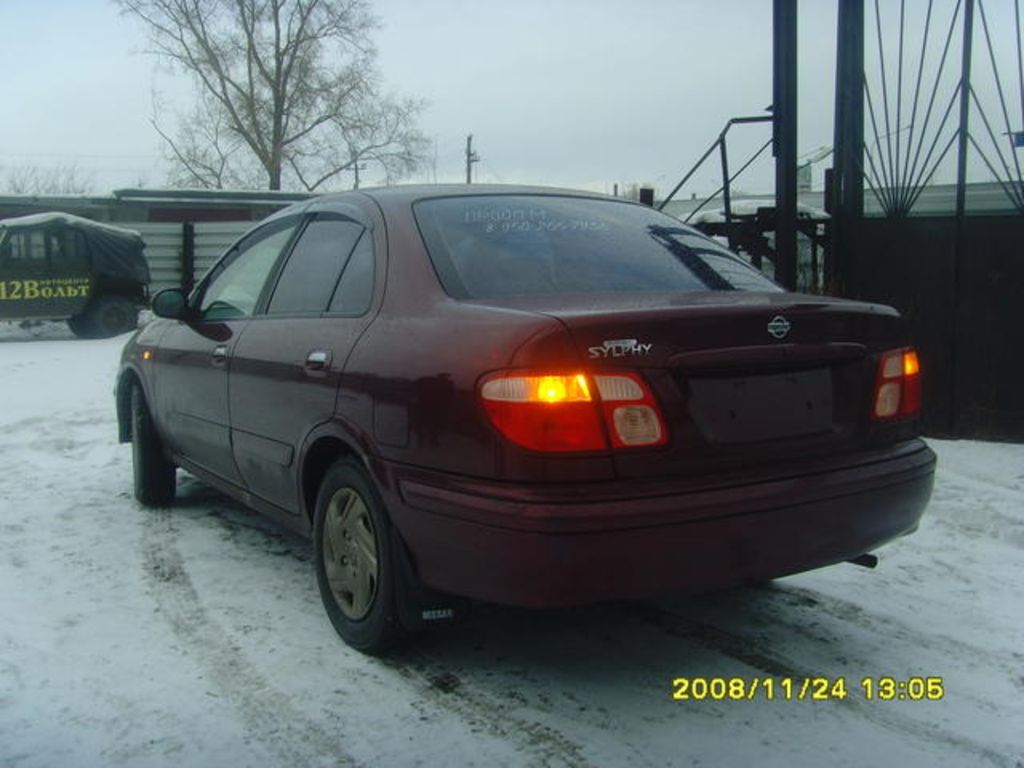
{"x": 568, "y": 92}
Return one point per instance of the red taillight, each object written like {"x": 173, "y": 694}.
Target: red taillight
{"x": 544, "y": 412}
{"x": 897, "y": 386}
{"x": 563, "y": 412}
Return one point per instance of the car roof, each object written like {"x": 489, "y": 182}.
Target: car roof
{"x": 403, "y": 196}
{"x": 407, "y": 194}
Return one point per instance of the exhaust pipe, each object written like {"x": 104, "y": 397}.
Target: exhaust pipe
{"x": 866, "y": 560}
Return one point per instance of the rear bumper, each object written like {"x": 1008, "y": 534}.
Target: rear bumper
{"x": 551, "y": 547}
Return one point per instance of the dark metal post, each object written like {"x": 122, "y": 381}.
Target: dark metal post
{"x": 961, "y": 206}
{"x": 785, "y": 111}
{"x": 726, "y": 194}
{"x": 828, "y": 251}
{"x": 965, "y": 104}
{"x": 471, "y": 157}
{"x": 188, "y": 256}
{"x": 848, "y": 175}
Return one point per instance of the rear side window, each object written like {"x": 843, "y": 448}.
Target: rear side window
{"x": 504, "y": 245}
{"x": 308, "y": 278}
{"x": 68, "y": 250}
{"x": 355, "y": 290}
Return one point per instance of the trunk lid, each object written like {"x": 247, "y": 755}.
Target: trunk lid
{"x": 742, "y": 378}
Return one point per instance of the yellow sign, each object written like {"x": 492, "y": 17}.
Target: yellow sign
{"x": 34, "y": 290}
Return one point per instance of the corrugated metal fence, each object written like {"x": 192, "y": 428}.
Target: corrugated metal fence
{"x": 167, "y": 248}
{"x": 163, "y": 252}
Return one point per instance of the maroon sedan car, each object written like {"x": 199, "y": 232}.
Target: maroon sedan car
{"x": 525, "y": 396}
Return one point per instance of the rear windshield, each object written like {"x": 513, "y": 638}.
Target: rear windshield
{"x": 506, "y": 245}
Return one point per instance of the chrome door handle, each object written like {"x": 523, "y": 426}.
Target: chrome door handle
{"x": 220, "y": 353}
{"x": 318, "y": 359}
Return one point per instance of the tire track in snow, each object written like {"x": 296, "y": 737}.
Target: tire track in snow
{"x": 297, "y": 740}
{"x": 269, "y": 716}
{"x": 747, "y": 651}
{"x": 895, "y": 628}
{"x": 439, "y": 685}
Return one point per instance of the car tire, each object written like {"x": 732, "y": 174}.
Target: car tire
{"x": 354, "y": 561}
{"x": 112, "y": 315}
{"x": 154, "y": 474}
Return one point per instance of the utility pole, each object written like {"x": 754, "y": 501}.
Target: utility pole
{"x": 471, "y": 157}
{"x": 433, "y": 163}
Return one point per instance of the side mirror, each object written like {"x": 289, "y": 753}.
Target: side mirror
{"x": 171, "y": 303}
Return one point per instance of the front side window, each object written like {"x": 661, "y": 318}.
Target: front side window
{"x": 234, "y": 287}
{"x": 504, "y": 245}
{"x": 316, "y": 261}
{"x": 26, "y": 248}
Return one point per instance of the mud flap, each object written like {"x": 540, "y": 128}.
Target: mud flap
{"x": 420, "y": 607}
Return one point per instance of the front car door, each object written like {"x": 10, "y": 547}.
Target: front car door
{"x": 286, "y": 366}
{"x": 191, "y": 367}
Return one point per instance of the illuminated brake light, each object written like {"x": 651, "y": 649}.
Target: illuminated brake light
{"x": 544, "y": 412}
{"x": 538, "y": 389}
{"x": 911, "y": 365}
{"x": 897, "y": 386}
{"x": 562, "y": 412}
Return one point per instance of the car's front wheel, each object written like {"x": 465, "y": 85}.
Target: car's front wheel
{"x": 354, "y": 559}
{"x": 154, "y": 473}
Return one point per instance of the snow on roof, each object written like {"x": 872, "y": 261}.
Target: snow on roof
{"x": 38, "y": 219}
{"x": 749, "y": 208}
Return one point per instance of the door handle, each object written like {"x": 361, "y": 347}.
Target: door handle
{"x": 318, "y": 360}
{"x": 219, "y": 354}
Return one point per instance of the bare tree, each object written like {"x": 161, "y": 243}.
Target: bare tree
{"x": 375, "y": 133}
{"x": 33, "y": 180}
{"x": 280, "y": 81}
{"x": 385, "y": 135}
{"x": 205, "y": 152}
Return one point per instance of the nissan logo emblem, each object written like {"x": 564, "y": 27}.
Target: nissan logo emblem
{"x": 778, "y": 327}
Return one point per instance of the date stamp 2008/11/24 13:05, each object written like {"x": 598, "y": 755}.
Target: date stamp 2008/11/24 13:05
{"x": 881, "y": 688}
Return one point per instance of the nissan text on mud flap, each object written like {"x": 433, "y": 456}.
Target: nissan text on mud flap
{"x": 55, "y": 266}
{"x": 525, "y": 396}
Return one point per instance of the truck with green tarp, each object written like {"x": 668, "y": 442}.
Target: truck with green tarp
{"x": 55, "y": 266}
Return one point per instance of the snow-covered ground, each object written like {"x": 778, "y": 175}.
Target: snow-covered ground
{"x": 195, "y": 636}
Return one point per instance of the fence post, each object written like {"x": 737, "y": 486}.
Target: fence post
{"x": 188, "y": 256}
{"x": 847, "y": 184}
{"x": 784, "y": 134}
{"x": 961, "y": 205}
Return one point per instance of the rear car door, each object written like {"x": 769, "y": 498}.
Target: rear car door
{"x": 191, "y": 376}
{"x": 287, "y": 363}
